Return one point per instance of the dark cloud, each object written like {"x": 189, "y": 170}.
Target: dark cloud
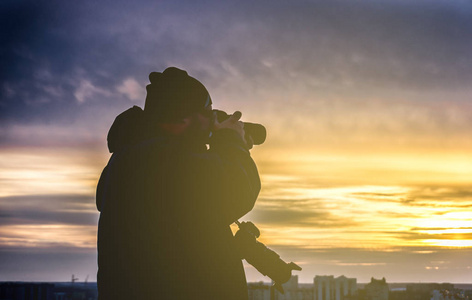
{"x": 298, "y": 218}
{"x": 48, "y": 209}
{"x": 35, "y": 59}
{"x": 49, "y": 49}
{"x": 312, "y": 212}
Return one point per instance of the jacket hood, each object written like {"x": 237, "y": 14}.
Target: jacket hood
{"x": 127, "y": 129}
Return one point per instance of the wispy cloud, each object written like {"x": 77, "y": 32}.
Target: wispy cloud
{"x": 294, "y": 211}
{"x": 45, "y": 172}
{"x": 48, "y": 221}
{"x": 48, "y": 210}
{"x": 86, "y": 91}
{"x": 298, "y": 216}
{"x": 132, "y": 89}
{"x": 48, "y": 236}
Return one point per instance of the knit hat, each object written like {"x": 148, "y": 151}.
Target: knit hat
{"x": 174, "y": 94}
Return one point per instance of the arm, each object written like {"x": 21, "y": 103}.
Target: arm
{"x": 226, "y": 174}
{"x": 239, "y": 184}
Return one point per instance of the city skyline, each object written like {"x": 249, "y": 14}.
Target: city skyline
{"x": 323, "y": 288}
{"x": 366, "y": 169}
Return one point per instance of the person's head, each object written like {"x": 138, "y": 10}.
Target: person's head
{"x": 178, "y": 104}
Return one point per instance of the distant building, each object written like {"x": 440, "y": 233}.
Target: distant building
{"x": 376, "y": 289}
{"x": 324, "y": 287}
{"x": 75, "y": 291}
{"x": 345, "y": 288}
{"x": 330, "y": 288}
{"x": 26, "y": 291}
{"x": 425, "y": 291}
{"x": 292, "y": 291}
{"x": 258, "y": 290}
{"x": 306, "y": 292}
{"x": 436, "y": 295}
{"x": 47, "y": 291}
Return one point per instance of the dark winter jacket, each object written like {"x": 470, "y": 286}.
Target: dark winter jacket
{"x": 166, "y": 205}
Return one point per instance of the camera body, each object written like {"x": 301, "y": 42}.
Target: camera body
{"x": 265, "y": 260}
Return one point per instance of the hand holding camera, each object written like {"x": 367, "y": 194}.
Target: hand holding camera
{"x": 251, "y": 133}
{"x": 232, "y": 122}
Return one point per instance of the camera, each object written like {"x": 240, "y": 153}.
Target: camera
{"x": 265, "y": 260}
{"x": 254, "y": 130}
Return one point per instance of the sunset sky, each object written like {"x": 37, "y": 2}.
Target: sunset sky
{"x": 367, "y": 167}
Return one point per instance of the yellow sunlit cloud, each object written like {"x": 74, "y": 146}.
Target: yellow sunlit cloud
{"x": 449, "y": 243}
{"x": 352, "y": 187}
{"x": 452, "y": 221}
{"x": 46, "y": 173}
{"x": 51, "y": 235}
{"x": 357, "y": 215}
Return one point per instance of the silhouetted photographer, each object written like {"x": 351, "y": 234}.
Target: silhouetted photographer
{"x": 166, "y": 200}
